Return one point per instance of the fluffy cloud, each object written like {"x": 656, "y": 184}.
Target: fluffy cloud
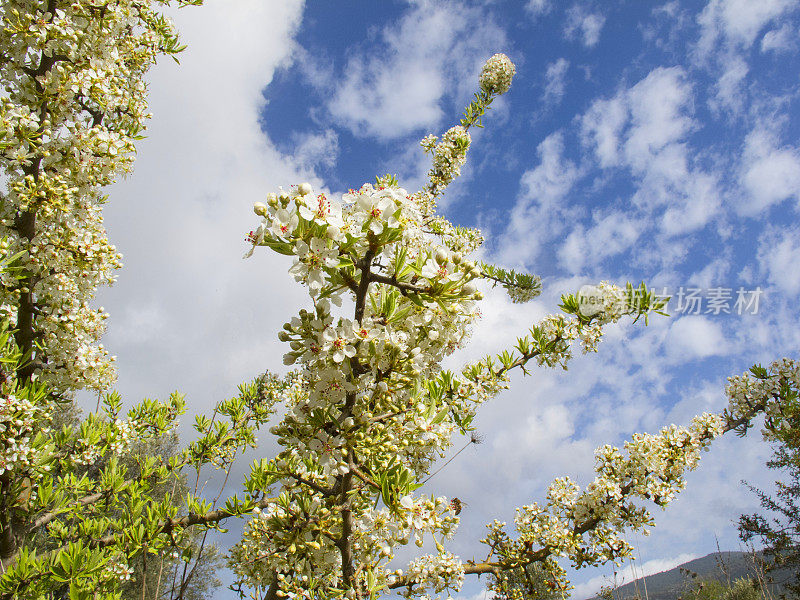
{"x": 536, "y": 218}
{"x": 538, "y": 7}
{"x": 585, "y": 24}
{"x": 779, "y": 255}
{"x": 555, "y": 81}
{"x": 601, "y": 127}
{"x": 609, "y": 235}
{"x": 770, "y": 174}
{"x": 644, "y": 129}
{"x": 186, "y": 302}
{"x": 728, "y": 29}
{"x": 729, "y": 88}
{"x": 433, "y": 48}
{"x": 783, "y": 39}
{"x": 738, "y": 22}
{"x": 316, "y": 149}
{"x": 693, "y": 337}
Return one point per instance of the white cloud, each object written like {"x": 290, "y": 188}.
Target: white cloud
{"x": 538, "y": 7}
{"x": 588, "y": 25}
{"x": 658, "y": 106}
{"x": 668, "y": 9}
{"x": 535, "y": 217}
{"x": 656, "y": 151}
{"x": 738, "y": 22}
{"x": 729, "y": 88}
{"x": 555, "y": 77}
{"x": 713, "y": 274}
{"x": 434, "y": 48}
{"x": 601, "y": 126}
{"x": 185, "y": 302}
{"x": 770, "y": 174}
{"x": 644, "y": 128}
{"x": 608, "y": 236}
{"x": 783, "y": 39}
{"x": 316, "y": 149}
{"x": 695, "y": 336}
{"x": 779, "y": 255}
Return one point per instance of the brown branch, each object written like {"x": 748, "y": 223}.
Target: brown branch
{"x": 400, "y": 285}
{"x": 48, "y": 517}
{"x": 364, "y": 477}
{"x": 325, "y": 491}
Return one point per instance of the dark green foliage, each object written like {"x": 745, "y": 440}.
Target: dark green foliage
{"x": 779, "y": 529}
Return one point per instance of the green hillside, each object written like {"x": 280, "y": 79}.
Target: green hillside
{"x": 674, "y": 584}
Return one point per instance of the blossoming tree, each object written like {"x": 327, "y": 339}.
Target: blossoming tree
{"x": 369, "y": 408}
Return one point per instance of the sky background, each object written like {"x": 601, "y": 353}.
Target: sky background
{"x": 640, "y": 141}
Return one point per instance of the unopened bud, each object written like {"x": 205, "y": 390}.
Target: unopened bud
{"x": 260, "y": 209}
{"x": 441, "y": 256}
{"x": 304, "y": 189}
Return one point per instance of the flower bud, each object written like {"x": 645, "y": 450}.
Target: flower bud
{"x": 469, "y": 288}
{"x": 478, "y": 295}
{"x": 457, "y": 258}
{"x": 304, "y": 189}
{"x": 283, "y": 336}
{"x": 497, "y": 74}
{"x": 260, "y": 209}
{"x": 272, "y": 200}
{"x": 441, "y": 256}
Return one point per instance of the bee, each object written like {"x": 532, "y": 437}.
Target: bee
{"x": 457, "y": 505}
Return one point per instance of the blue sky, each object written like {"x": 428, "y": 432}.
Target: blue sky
{"x": 652, "y": 141}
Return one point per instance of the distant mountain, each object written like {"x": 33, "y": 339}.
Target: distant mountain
{"x": 675, "y": 583}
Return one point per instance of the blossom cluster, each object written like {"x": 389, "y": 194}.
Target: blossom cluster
{"x": 73, "y": 107}
{"x": 19, "y": 418}
{"x": 497, "y": 74}
{"x": 443, "y": 571}
{"x": 587, "y": 526}
{"x": 763, "y": 388}
{"x": 449, "y": 155}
